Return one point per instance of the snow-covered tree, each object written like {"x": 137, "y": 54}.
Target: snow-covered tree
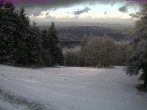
{"x": 8, "y": 27}
{"x": 51, "y": 53}
{"x": 72, "y": 56}
{"x": 34, "y": 46}
{"x": 45, "y": 51}
{"x": 138, "y": 46}
{"x": 20, "y": 55}
{"x": 121, "y": 53}
{"x": 54, "y": 47}
{"x": 98, "y": 52}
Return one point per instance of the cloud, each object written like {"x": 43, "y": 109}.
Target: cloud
{"x": 50, "y": 4}
{"x": 65, "y": 3}
{"x": 35, "y": 11}
{"x": 123, "y": 9}
{"x": 44, "y": 5}
{"x": 78, "y": 12}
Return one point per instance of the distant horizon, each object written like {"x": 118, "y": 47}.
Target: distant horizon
{"x": 70, "y": 23}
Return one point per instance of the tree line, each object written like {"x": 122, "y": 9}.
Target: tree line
{"x": 22, "y": 43}
{"x": 97, "y": 52}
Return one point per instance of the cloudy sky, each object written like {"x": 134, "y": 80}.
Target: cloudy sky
{"x": 92, "y": 11}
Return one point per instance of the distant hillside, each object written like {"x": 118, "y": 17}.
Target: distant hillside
{"x": 71, "y": 36}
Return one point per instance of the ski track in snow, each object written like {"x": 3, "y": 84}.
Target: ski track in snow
{"x": 58, "y": 93}
{"x": 71, "y": 88}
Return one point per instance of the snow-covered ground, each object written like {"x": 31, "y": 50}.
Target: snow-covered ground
{"x": 71, "y": 88}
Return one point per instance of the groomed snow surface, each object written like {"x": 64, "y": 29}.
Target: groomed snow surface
{"x": 69, "y": 88}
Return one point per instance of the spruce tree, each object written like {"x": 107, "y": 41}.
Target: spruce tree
{"x": 45, "y": 51}
{"x": 8, "y": 27}
{"x": 34, "y": 46}
{"x": 51, "y": 53}
{"x": 138, "y": 47}
{"x": 57, "y": 54}
{"x": 21, "y": 54}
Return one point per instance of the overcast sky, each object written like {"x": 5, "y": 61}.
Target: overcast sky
{"x": 92, "y": 11}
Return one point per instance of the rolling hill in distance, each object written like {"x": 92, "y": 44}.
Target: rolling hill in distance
{"x": 71, "y": 36}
